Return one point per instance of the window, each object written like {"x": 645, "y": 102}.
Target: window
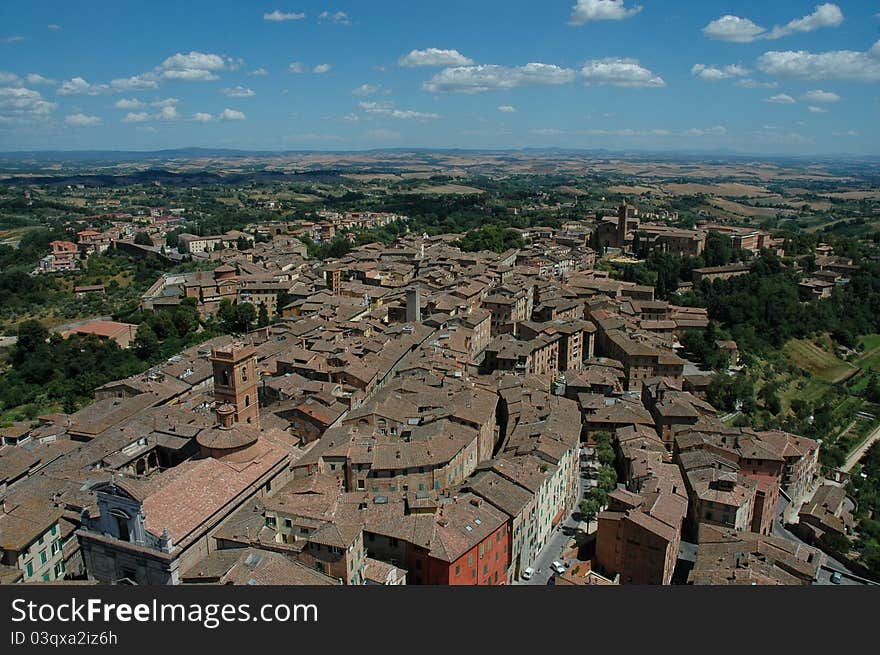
{"x": 29, "y": 569}
{"x": 458, "y": 570}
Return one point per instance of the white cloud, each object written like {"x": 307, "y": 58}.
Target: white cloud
{"x": 847, "y": 133}
{"x": 832, "y": 65}
{"x": 280, "y": 16}
{"x": 135, "y": 83}
{"x": 296, "y": 67}
{"x": 231, "y": 115}
{"x": 195, "y": 66}
{"x": 620, "y": 72}
{"x": 34, "y": 78}
{"x": 387, "y": 109}
{"x": 128, "y": 103}
{"x": 479, "y": 79}
{"x": 202, "y": 117}
{"x": 781, "y": 99}
{"x": 715, "y": 73}
{"x": 339, "y": 17}
{"x": 321, "y": 69}
{"x": 507, "y": 109}
{"x": 782, "y": 138}
{"x": 817, "y": 110}
{"x": 53, "y": 26}
{"x": 718, "y": 130}
{"x": 546, "y": 131}
{"x": 83, "y": 120}
{"x": 238, "y": 92}
{"x": 824, "y": 15}
{"x": 756, "y": 84}
{"x": 434, "y": 57}
{"x": 78, "y": 86}
{"x": 21, "y": 105}
{"x": 168, "y": 113}
{"x": 136, "y": 117}
{"x": 733, "y": 28}
{"x": 164, "y": 102}
{"x": 818, "y": 95}
{"x": 11, "y": 39}
{"x": 586, "y": 11}
{"x": 743, "y": 30}
{"x": 366, "y": 90}
{"x": 259, "y": 71}
{"x": 9, "y": 78}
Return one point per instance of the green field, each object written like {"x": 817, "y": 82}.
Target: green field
{"x": 871, "y": 357}
{"x": 817, "y": 361}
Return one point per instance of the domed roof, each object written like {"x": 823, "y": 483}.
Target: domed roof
{"x": 233, "y": 438}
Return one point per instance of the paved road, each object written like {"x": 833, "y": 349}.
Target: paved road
{"x": 779, "y": 530}
{"x": 556, "y": 543}
{"x": 859, "y": 452}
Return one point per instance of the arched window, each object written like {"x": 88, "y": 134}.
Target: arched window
{"x": 121, "y": 518}
{"x": 224, "y": 377}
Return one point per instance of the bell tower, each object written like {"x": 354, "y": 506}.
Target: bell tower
{"x": 236, "y": 383}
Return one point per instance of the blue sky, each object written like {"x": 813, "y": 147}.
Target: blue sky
{"x": 785, "y": 77}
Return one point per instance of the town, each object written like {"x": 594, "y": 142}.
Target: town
{"x": 418, "y": 409}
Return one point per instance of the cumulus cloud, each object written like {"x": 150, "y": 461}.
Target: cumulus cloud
{"x": 78, "y": 86}
{"x": 388, "y": 110}
{"x": 259, "y": 71}
{"x": 231, "y": 115}
{"x": 715, "y": 73}
{"x": 296, "y": 67}
{"x": 22, "y": 105}
{"x": 34, "y": 78}
{"x": 743, "y": 30}
{"x": 620, "y": 72}
{"x": 825, "y": 15}
{"x": 195, "y": 66}
{"x": 817, "y": 110}
{"x": 168, "y": 113}
{"x": 83, "y": 120}
{"x": 366, "y": 90}
{"x": 321, "y": 69}
{"x": 818, "y": 95}
{"x": 479, "y": 79}
{"x": 434, "y": 57}
{"x": 280, "y": 16}
{"x": 202, "y": 117}
{"x": 733, "y": 28}
{"x": 238, "y": 92}
{"x": 781, "y": 99}
{"x": 128, "y": 103}
{"x": 338, "y": 17}
{"x": 136, "y": 117}
{"x": 586, "y": 11}
{"x": 135, "y": 83}
{"x": 832, "y": 65}
{"x": 507, "y": 109}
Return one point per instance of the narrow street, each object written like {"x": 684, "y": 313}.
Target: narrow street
{"x": 859, "y": 452}
{"x": 559, "y": 538}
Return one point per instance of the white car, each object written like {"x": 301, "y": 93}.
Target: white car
{"x": 527, "y": 574}
{"x": 559, "y": 567}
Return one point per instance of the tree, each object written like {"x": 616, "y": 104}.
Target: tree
{"x": 263, "y": 316}
{"x": 146, "y": 343}
{"x": 32, "y": 335}
{"x": 237, "y": 318}
{"x": 143, "y": 239}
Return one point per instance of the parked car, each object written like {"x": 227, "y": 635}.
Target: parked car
{"x": 835, "y": 577}
{"x": 559, "y": 567}
{"x": 528, "y": 573}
